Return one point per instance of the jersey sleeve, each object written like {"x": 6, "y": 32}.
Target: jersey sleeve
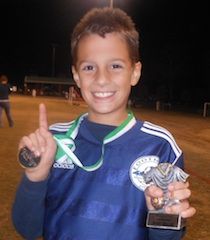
{"x": 29, "y": 207}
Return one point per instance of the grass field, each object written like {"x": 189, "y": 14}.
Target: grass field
{"x": 192, "y": 133}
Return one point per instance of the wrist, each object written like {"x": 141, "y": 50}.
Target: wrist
{"x": 37, "y": 175}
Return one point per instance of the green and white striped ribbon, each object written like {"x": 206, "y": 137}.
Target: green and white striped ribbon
{"x": 65, "y": 142}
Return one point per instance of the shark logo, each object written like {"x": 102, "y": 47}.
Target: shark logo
{"x": 139, "y": 167}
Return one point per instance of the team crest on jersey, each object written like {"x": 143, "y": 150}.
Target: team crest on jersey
{"x": 139, "y": 166}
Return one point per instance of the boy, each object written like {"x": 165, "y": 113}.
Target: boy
{"x": 85, "y": 188}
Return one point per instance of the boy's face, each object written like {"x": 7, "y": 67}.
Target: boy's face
{"x": 104, "y": 72}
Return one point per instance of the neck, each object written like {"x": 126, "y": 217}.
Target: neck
{"x": 108, "y": 119}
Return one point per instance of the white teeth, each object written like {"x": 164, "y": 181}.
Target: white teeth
{"x": 103, "y": 94}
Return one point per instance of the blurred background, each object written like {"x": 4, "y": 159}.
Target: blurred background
{"x": 175, "y": 52}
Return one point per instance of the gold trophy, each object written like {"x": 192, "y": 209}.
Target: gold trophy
{"x": 162, "y": 176}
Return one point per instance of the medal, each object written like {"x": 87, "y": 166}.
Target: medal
{"x": 27, "y": 158}
{"x": 65, "y": 149}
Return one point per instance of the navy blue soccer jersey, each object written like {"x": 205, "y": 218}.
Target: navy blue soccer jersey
{"x": 107, "y": 203}
{"x": 95, "y": 190}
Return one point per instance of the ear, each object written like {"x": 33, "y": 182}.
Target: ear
{"x": 75, "y": 76}
{"x": 136, "y": 73}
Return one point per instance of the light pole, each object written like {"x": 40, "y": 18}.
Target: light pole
{"x": 111, "y": 3}
{"x": 54, "y": 45}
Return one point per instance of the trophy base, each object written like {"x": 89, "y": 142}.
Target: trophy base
{"x": 163, "y": 220}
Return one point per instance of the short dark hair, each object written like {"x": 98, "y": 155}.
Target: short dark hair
{"x": 106, "y": 20}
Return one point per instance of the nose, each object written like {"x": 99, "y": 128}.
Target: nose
{"x": 102, "y": 77}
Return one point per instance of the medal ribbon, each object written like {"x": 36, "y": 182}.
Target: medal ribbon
{"x": 65, "y": 142}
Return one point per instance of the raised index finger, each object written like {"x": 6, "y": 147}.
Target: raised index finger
{"x": 43, "y": 117}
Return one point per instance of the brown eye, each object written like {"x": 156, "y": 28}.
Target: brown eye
{"x": 116, "y": 66}
{"x": 88, "y": 68}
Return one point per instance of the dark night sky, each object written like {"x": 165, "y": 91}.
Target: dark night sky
{"x": 175, "y": 49}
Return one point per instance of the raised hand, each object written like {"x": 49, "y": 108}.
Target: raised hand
{"x": 42, "y": 144}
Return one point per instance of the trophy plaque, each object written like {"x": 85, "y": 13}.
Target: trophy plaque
{"x": 162, "y": 176}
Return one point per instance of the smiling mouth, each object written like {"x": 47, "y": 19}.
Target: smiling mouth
{"x": 103, "y": 94}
